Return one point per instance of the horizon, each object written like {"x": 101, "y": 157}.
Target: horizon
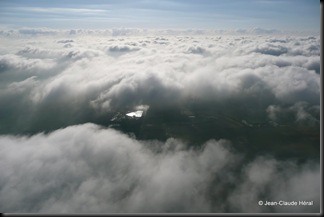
{"x": 282, "y": 15}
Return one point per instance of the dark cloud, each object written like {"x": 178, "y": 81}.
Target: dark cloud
{"x": 65, "y": 41}
{"x": 197, "y": 50}
{"x": 301, "y": 113}
{"x": 272, "y": 50}
{"x": 37, "y": 31}
{"x": 4, "y": 66}
{"x": 122, "y": 49}
{"x": 264, "y": 31}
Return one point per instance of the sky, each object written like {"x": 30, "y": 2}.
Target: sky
{"x": 184, "y": 14}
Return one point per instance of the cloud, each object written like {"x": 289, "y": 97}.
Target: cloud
{"x": 96, "y": 75}
{"x": 89, "y": 169}
{"x": 65, "y": 41}
{"x": 41, "y": 31}
{"x": 122, "y": 49}
{"x": 15, "y": 62}
{"x": 272, "y": 50}
{"x": 196, "y": 50}
{"x": 266, "y": 179}
{"x": 78, "y": 170}
{"x": 59, "y": 89}
{"x": 301, "y": 113}
{"x": 264, "y": 31}
{"x": 23, "y": 32}
{"x": 60, "y": 10}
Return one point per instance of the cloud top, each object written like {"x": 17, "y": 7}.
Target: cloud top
{"x": 88, "y": 169}
{"x": 60, "y": 89}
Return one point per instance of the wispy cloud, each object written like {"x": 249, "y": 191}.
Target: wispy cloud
{"x": 180, "y": 14}
{"x": 62, "y": 10}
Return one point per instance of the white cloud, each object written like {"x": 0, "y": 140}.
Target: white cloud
{"x": 101, "y": 74}
{"x": 61, "y": 10}
{"x": 266, "y": 179}
{"x": 66, "y": 77}
{"x": 87, "y": 169}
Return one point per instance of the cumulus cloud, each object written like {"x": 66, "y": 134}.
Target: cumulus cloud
{"x": 101, "y": 74}
{"x": 266, "y": 179}
{"x": 122, "y": 49}
{"x": 53, "y": 83}
{"x": 89, "y": 169}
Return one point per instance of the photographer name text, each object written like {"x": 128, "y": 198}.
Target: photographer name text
{"x": 286, "y": 203}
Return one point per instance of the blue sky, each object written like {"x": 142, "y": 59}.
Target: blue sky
{"x": 303, "y": 15}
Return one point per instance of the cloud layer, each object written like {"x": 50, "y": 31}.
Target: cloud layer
{"x": 90, "y": 76}
{"x": 58, "y": 89}
{"x": 88, "y": 169}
